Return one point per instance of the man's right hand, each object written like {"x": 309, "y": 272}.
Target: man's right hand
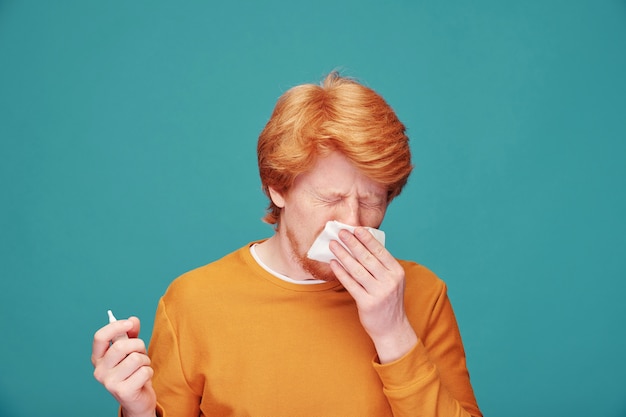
{"x": 123, "y": 367}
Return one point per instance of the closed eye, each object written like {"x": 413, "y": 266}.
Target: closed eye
{"x": 374, "y": 204}
{"x": 335, "y": 200}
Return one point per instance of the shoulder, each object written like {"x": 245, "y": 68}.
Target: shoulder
{"x": 419, "y": 275}
{"x": 426, "y": 298}
{"x": 206, "y": 280}
{"x": 422, "y": 286}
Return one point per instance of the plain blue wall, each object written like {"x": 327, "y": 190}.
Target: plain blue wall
{"x": 128, "y": 134}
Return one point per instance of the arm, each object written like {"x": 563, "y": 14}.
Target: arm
{"x": 123, "y": 367}
{"x": 433, "y": 376}
{"x": 175, "y": 396}
{"x": 424, "y": 374}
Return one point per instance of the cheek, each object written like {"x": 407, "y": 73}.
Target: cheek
{"x": 314, "y": 228}
{"x": 312, "y": 222}
{"x": 306, "y": 225}
{"x": 372, "y": 218}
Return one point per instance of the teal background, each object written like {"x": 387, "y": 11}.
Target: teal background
{"x": 127, "y": 149}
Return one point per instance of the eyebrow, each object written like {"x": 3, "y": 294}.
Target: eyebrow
{"x": 367, "y": 196}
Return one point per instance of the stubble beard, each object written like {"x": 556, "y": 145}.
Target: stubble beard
{"x": 319, "y": 270}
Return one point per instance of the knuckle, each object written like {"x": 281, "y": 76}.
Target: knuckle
{"x": 118, "y": 347}
{"x": 368, "y": 257}
{"x": 141, "y": 344}
{"x": 135, "y": 359}
{"x": 110, "y": 386}
{"x": 146, "y": 372}
{"x": 99, "y": 336}
{"x": 358, "y": 273}
{"x": 368, "y": 305}
{"x": 97, "y": 374}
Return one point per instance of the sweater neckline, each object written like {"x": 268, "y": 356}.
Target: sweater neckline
{"x": 264, "y": 273}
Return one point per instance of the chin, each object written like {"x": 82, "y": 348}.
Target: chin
{"x": 319, "y": 270}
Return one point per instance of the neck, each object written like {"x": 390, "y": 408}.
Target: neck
{"x": 278, "y": 254}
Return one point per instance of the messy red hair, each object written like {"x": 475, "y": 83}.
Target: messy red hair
{"x": 339, "y": 115}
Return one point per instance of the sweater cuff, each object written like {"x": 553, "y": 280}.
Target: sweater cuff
{"x": 407, "y": 370}
{"x": 159, "y": 411}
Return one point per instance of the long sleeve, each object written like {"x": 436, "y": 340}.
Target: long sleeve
{"x": 174, "y": 395}
{"x": 432, "y": 379}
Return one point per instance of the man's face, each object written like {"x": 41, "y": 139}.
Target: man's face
{"x": 333, "y": 190}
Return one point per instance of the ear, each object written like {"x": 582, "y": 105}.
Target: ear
{"x": 277, "y": 198}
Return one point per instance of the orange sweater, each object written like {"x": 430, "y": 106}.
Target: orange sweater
{"x": 230, "y": 339}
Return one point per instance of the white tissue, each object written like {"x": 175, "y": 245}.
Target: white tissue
{"x": 320, "y": 250}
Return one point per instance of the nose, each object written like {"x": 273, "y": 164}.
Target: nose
{"x": 350, "y": 212}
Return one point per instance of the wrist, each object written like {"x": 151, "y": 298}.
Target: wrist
{"x": 151, "y": 413}
{"x": 395, "y": 344}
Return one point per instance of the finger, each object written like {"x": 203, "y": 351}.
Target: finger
{"x": 111, "y": 365}
{"x": 127, "y": 389}
{"x": 129, "y": 365}
{"x": 374, "y": 248}
{"x": 120, "y": 350}
{"x": 134, "y": 332}
{"x": 102, "y": 338}
{"x": 356, "y": 290}
{"x": 360, "y": 263}
{"x": 352, "y": 268}
{"x": 386, "y": 268}
{"x": 140, "y": 378}
{"x": 373, "y": 255}
{"x": 135, "y": 386}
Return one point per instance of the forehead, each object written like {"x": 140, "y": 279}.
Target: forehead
{"x": 334, "y": 174}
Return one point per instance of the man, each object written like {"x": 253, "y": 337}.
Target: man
{"x": 266, "y": 331}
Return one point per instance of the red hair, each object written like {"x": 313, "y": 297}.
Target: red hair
{"x": 339, "y": 115}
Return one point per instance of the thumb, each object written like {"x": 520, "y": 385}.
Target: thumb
{"x": 134, "y": 331}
